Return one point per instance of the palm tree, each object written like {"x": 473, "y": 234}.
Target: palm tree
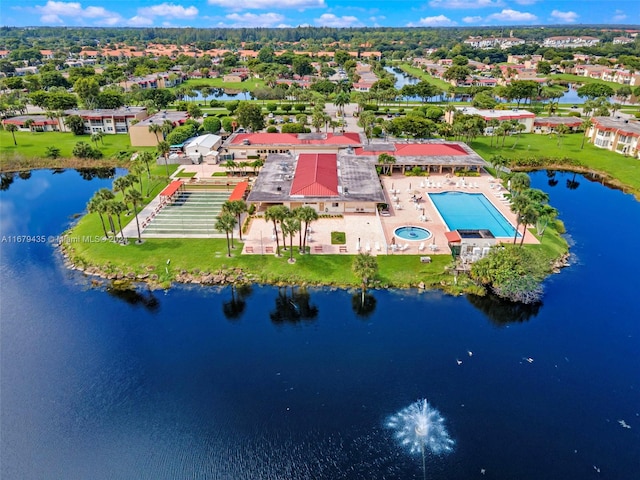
{"x": 95, "y": 138}
{"x": 586, "y": 125}
{"x": 340, "y": 101}
{"x": 155, "y": 128}
{"x": 520, "y": 181}
{"x": 520, "y": 204}
{"x": 10, "y": 127}
{"x": 145, "y": 158}
{"x": 237, "y": 208}
{"x": 113, "y": 209}
{"x": 226, "y": 223}
{"x": 134, "y": 197}
{"x": 290, "y": 226}
{"x": 364, "y": 267}
{"x": 137, "y": 169}
{"x": 163, "y": 149}
{"x": 307, "y": 215}
{"x": 120, "y": 184}
{"x": 499, "y": 162}
{"x": 97, "y": 205}
{"x": 561, "y": 130}
{"x": 28, "y": 124}
{"x": 276, "y": 214}
{"x": 546, "y": 215}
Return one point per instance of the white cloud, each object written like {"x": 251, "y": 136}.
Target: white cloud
{"x": 472, "y": 19}
{"x": 526, "y": 2}
{"x": 138, "y": 21}
{"x": 509, "y": 15}
{"x": 438, "y": 21}
{"x": 51, "y": 19}
{"x": 267, "y": 4}
{"x": 567, "y": 17}
{"x": 168, "y": 10}
{"x": 619, "y": 16}
{"x": 466, "y": 4}
{"x": 331, "y": 20}
{"x": 53, "y": 12}
{"x": 255, "y": 20}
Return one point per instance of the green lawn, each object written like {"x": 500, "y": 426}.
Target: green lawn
{"x": 33, "y": 145}
{"x": 625, "y": 169}
{"x": 422, "y": 75}
{"x": 567, "y": 77}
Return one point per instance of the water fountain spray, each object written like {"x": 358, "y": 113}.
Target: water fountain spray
{"x": 420, "y": 429}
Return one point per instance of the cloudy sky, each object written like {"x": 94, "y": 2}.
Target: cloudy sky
{"x": 331, "y": 13}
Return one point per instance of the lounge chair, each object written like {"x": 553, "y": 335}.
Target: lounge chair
{"x": 421, "y": 247}
{"x": 377, "y": 245}
{"x": 367, "y": 247}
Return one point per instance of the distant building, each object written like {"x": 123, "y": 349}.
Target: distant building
{"x": 40, "y": 123}
{"x": 141, "y": 136}
{"x": 524, "y": 117}
{"x": 567, "y": 41}
{"x": 108, "y": 120}
{"x": 546, "y": 125}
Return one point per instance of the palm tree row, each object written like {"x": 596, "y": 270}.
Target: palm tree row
{"x": 530, "y": 205}
{"x": 106, "y": 205}
{"x": 290, "y": 222}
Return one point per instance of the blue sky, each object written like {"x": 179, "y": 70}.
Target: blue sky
{"x": 333, "y": 13}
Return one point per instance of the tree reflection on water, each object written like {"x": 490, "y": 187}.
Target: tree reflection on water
{"x": 501, "y": 312}
{"x": 293, "y": 304}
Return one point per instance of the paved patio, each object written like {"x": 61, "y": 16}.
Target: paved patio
{"x": 374, "y": 234}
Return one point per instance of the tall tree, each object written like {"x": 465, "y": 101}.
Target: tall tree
{"x": 236, "y": 208}
{"x": 365, "y": 267}
{"x": 307, "y": 215}
{"x": 10, "y": 127}
{"x": 135, "y": 198}
{"x": 226, "y": 222}
{"x": 276, "y": 214}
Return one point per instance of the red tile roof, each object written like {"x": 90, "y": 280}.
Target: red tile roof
{"x": 316, "y": 175}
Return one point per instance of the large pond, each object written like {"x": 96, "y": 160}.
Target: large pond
{"x": 268, "y": 383}
{"x": 570, "y": 96}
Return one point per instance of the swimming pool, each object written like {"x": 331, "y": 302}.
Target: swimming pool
{"x": 471, "y": 211}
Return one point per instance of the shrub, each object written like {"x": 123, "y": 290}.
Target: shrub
{"x": 211, "y": 124}
{"x": 376, "y": 131}
{"x": 84, "y": 150}
{"x": 52, "y": 152}
{"x": 272, "y": 129}
{"x": 574, "y": 114}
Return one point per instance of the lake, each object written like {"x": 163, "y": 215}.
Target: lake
{"x": 287, "y": 383}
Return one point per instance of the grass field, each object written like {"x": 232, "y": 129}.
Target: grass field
{"x": 419, "y": 73}
{"x": 31, "y": 147}
{"x": 625, "y": 169}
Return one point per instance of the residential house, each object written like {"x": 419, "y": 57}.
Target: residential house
{"x": 40, "y": 123}
{"x": 523, "y": 117}
{"x": 547, "y": 125}
{"x": 203, "y": 147}
{"x": 108, "y": 120}
{"x": 617, "y": 134}
{"x": 141, "y": 136}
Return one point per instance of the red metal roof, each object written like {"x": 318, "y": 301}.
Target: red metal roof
{"x": 238, "y": 192}
{"x": 419, "y": 149}
{"x": 453, "y": 237}
{"x": 171, "y": 188}
{"x": 316, "y": 175}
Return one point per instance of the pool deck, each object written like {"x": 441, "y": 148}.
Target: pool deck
{"x": 374, "y": 234}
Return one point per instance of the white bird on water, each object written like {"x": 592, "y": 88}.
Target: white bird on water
{"x": 458, "y": 361}
{"x": 470, "y": 353}
{"x": 624, "y": 424}
{"x": 528, "y": 359}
